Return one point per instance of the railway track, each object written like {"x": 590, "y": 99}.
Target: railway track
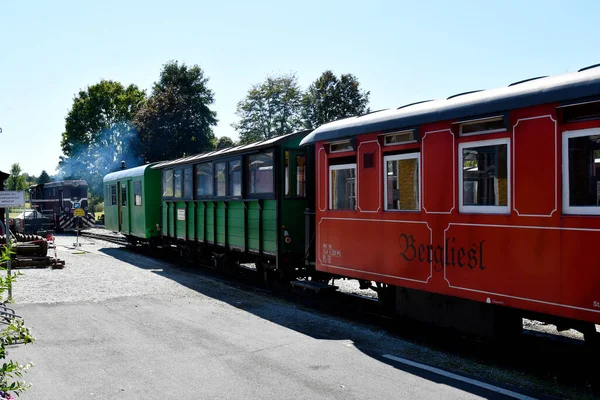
{"x": 546, "y": 356}
{"x": 106, "y": 238}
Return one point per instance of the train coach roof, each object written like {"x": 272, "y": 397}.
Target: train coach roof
{"x": 561, "y": 88}
{"x": 230, "y": 151}
{"x": 74, "y": 182}
{"x": 127, "y": 173}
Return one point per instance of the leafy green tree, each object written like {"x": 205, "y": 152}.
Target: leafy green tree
{"x": 330, "y": 98}
{"x": 44, "y": 177}
{"x": 224, "y": 142}
{"x": 271, "y": 108}
{"x": 99, "y": 134}
{"x": 29, "y": 179}
{"x": 16, "y": 179}
{"x": 177, "y": 120}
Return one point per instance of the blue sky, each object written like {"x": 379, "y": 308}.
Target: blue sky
{"x": 401, "y": 51}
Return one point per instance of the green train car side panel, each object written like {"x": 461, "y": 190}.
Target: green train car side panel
{"x": 110, "y": 211}
{"x": 269, "y": 226}
{"x": 253, "y": 226}
{"x": 210, "y": 226}
{"x": 191, "y": 221}
{"x": 137, "y": 215}
{"x": 171, "y": 217}
{"x": 221, "y": 223}
{"x": 180, "y": 220}
{"x": 165, "y": 219}
{"x": 294, "y": 220}
{"x": 199, "y": 211}
{"x": 235, "y": 225}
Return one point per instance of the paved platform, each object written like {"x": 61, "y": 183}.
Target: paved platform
{"x": 114, "y": 324}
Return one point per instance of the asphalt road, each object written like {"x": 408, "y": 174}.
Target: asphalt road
{"x": 113, "y": 324}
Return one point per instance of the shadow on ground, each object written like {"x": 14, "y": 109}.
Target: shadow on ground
{"x": 311, "y": 316}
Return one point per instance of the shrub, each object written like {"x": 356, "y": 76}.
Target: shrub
{"x": 15, "y": 332}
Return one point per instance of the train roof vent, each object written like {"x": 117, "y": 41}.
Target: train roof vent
{"x": 413, "y": 104}
{"x": 462, "y": 94}
{"x": 527, "y": 80}
{"x": 589, "y": 67}
{"x": 372, "y": 112}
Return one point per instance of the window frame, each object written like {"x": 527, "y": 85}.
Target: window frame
{"x": 290, "y": 176}
{"x": 179, "y": 169}
{"x": 338, "y": 167}
{"x": 566, "y": 208}
{"x": 135, "y": 194}
{"x": 562, "y": 108}
{"x": 190, "y": 169}
{"x": 340, "y": 142}
{"x": 228, "y": 171}
{"x": 469, "y": 209}
{"x": 479, "y": 120}
{"x": 246, "y": 175}
{"x": 298, "y": 196}
{"x": 114, "y": 200}
{"x": 397, "y": 133}
{"x": 212, "y": 178}
{"x": 124, "y": 199}
{"x": 172, "y": 170}
{"x": 215, "y": 181}
{"x": 396, "y": 157}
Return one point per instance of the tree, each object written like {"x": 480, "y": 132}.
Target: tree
{"x": 177, "y": 121}
{"x": 29, "y": 179}
{"x": 44, "y": 177}
{"x": 330, "y": 98}
{"x": 16, "y": 180}
{"x": 224, "y": 142}
{"x": 270, "y": 108}
{"x": 99, "y": 134}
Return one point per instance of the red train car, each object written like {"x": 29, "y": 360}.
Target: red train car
{"x": 473, "y": 211}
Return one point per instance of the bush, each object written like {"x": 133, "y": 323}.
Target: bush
{"x": 14, "y": 333}
{"x": 95, "y": 203}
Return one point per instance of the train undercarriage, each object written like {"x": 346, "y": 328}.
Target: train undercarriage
{"x": 462, "y": 315}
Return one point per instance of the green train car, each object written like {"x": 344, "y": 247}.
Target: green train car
{"x": 132, "y": 203}
{"x": 243, "y": 204}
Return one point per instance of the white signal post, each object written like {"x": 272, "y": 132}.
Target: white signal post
{"x": 10, "y": 199}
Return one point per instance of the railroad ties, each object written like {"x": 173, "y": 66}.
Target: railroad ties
{"x": 31, "y": 252}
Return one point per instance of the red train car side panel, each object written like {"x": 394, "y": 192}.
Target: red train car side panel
{"x": 369, "y": 171}
{"x": 535, "y": 172}
{"x": 438, "y": 160}
{"x": 530, "y": 257}
{"x": 389, "y": 250}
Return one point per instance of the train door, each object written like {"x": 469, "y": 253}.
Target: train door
{"x": 119, "y": 213}
{"x": 123, "y": 194}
